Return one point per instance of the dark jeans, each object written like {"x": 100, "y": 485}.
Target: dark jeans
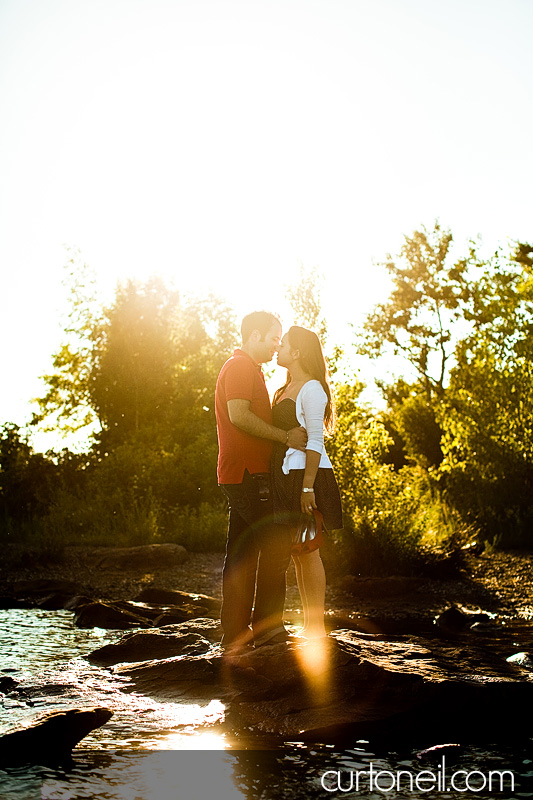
{"x": 257, "y": 557}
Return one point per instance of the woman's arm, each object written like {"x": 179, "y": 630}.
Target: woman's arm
{"x": 313, "y": 408}
{"x": 307, "y": 498}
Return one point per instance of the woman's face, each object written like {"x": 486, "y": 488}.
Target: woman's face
{"x": 285, "y": 358}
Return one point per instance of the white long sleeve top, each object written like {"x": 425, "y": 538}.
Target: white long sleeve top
{"x": 310, "y": 407}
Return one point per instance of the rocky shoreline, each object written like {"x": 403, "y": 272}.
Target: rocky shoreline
{"x": 404, "y": 654}
{"x": 499, "y": 582}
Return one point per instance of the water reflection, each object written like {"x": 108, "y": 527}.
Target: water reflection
{"x": 33, "y": 639}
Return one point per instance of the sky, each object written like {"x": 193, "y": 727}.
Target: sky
{"x": 223, "y": 144}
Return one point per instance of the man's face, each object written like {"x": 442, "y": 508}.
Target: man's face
{"x": 267, "y": 347}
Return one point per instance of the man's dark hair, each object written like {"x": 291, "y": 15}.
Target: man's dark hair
{"x": 260, "y": 321}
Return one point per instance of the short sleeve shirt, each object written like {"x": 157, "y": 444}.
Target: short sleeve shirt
{"x": 241, "y": 379}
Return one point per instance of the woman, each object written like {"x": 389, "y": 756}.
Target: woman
{"x": 303, "y": 482}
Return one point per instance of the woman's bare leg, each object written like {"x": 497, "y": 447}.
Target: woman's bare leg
{"x": 301, "y": 589}
{"x": 311, "y": 580}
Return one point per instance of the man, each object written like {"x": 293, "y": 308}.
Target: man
{"x": 257, "y": 551}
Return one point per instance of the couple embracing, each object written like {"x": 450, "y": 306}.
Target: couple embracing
{"x": 274, "y": 471}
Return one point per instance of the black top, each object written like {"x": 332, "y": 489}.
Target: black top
{"x": 286, "y": 489}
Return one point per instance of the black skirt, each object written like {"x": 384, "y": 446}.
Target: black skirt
{"x": 287, "y": 489}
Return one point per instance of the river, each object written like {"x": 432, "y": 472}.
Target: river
{"x": 177, "y": 751}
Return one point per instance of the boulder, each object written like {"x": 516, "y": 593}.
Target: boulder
{"x": 169, "y": 597}
{"x": 49, "y": 739}
{"x": 523, "y": 660}
{"x": 144, "y": 557}
{"x": 49, "y": 594}
{"x": 7, "y": 684}
{"x": 7, "y": 602}
{"x": 54, "y": 601}
{"x": 351, "y": 685}
{"x": 109, "y": 615}
{"x": 124, "y": 614}
{"x": 149, "y": 645}
{"x": 454, "y": 620}
{"x": 187, "y": 638}
{"x": 155, "y": 612}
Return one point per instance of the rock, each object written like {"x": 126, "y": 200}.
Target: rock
{"x": 455, "y": 620}
{"x": 435, "y": 753}
{"x": 79, "y": 600}
{"x": 146, "y": 557}
{"x": 51, "y": 737}
{"x": 7, "y": 684}
{"x": 489, "y": 626}
{"x": 154, "y": 595}
{"x": 54, "y": 601}
{"x": 347, "y": 685}
{"x": 173, "y": 677}
{"x": 154, "y": 612}
{"x": 175, "y": 616}
{"x": 8, "y": 602}
{"x": 123, "y": 614}
{"x": 452, "y": 620}
{"x": 108, "y": 615}
{"x": 208, "y": 628}
{"x": 43, "y": 593}
{"x": 523, "y": 660}
{"x": 149, "y": 645}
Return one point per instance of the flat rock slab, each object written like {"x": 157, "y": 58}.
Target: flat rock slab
{"x": 187, "y": 638}
{"x": 148, "y": 646}
{"x": 347, "y": 684}
{"x": 51, "y": 737}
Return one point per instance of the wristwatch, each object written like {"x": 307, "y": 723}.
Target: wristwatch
{"x": 305, "y": 489}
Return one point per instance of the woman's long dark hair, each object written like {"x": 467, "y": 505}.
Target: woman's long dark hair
{"x": 314, "y": 363}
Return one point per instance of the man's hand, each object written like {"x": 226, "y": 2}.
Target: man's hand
{"x": 297, "y": 438}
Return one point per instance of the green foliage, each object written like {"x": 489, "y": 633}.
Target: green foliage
{"x": 199, "y": 530}
{"x": 468, "y": 422}
{"x": 429, "y": 297}
{"x": 383, "y": 524}
{"x": 150, "y": 363}
{"x": 487, "y": 472}
{"x": 451, "y": 456}
{"x": 67, "y": 404}
{"x": 26, "y": 479}
{"x": 411, "y": 421}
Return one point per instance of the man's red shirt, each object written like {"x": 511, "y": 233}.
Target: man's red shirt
{"x": 241, "y": 379}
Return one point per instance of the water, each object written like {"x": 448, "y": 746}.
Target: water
{"x": 176, "y": 751}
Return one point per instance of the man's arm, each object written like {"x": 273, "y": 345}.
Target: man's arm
{"x": 240, "y": 415}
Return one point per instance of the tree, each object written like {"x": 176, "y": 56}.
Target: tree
{"x": 67, "y": 404}
{"x": 487, "y": 472}
{"x": 146, "y": 363}
{"x": 304, "y": 297}
{"x": 26, "y": 478}
{"x": 421, "y": 319}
